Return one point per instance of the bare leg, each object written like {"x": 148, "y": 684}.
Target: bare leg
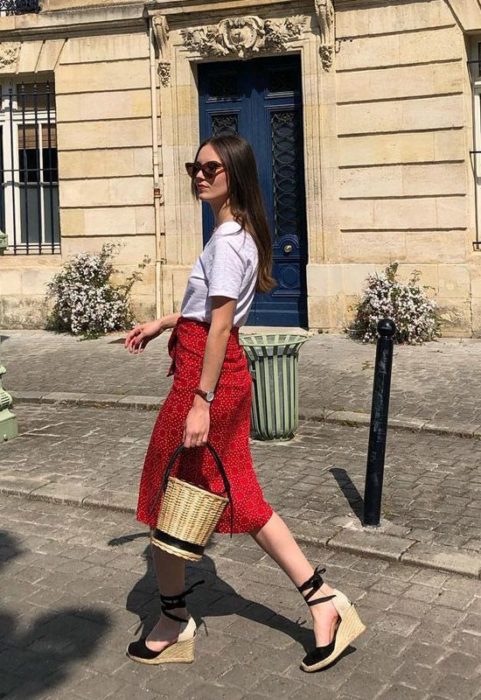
{"x": 276, "y": 540}
{"x": 170, "y": 573}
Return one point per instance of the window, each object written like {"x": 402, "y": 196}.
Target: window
{"x": 18, "y": 7}
{"x": 29, "y": 207}
{"x": 475, "y": 72}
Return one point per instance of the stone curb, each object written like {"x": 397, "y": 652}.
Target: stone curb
{"x": 152, "y": 403}
{"x": 341, "y": 534}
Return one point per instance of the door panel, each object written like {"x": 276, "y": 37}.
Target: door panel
{"x": 261, "y": 100}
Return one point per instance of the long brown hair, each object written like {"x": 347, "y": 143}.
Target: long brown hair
{"x": 245, "y": 198}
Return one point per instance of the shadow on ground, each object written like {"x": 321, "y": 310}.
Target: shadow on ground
{"x": 214, "y": 599}
{"x": 37, "y": 660}
{"x": 350, "y": 492}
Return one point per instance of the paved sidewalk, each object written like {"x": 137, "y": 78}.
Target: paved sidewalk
{"x": 77, "y": 585}
{"x": 432, "y": 491}
{"x": 72, "y": 452}
{"x": 435, "y": 387}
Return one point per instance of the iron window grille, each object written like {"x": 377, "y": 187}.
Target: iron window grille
{"x": 18, "y": 7}
{"x": 29, "y": 205}
{"x": 474, "y": 67}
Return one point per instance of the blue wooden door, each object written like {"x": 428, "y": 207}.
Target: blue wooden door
{"x": 261, "y": 100}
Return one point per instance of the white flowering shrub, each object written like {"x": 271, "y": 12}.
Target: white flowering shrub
{"x": 84, "y": 300}
{"x": 415, "y": 315}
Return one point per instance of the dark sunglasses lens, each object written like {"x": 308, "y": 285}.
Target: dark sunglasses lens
{"x": 190, "y": 167}
{"x": 210, "y": 168}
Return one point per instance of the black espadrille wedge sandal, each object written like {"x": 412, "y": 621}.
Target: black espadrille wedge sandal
{"x": 348, "y": 628}
{"x": 182, "y": 649}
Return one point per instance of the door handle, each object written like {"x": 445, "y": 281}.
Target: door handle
{"x": 288, "y": 248}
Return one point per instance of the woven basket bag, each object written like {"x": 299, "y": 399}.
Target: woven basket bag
{"x": 188, "y": 514}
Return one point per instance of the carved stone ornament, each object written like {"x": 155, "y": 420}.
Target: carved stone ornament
{"x": 161, "y": 34}
{"x": 164, "y": 73}
{"x": 325, "y": 16}
{"x": 8, "y": 55}
{"x": 244, "y": 36}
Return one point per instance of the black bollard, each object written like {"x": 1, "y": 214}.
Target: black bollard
{"x": 378, "y": 429}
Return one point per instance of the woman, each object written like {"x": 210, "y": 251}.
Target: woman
{"x": 210, "y": 399}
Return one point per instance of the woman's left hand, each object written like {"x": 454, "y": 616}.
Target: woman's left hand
{"x": 197, "y": 424}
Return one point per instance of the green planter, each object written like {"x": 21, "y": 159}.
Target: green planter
{"x": 8, "y": 420}
{"x": 3, "y": 242}
{"x": 273, "y": 364}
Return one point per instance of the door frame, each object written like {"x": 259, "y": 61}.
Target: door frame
{"x": 179, "y": 116}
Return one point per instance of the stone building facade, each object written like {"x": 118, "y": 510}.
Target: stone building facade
{"x": 389, "y": 109}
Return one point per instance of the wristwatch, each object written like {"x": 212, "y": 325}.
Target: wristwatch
{"x": 206, "y": 395}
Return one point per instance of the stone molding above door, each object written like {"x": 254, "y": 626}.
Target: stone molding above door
{"x": 244, "y": 37}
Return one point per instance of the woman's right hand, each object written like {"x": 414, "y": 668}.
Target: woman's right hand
{"x": 138, "y": 338}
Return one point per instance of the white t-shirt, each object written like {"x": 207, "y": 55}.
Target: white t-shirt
{"x": 227, "y": 267}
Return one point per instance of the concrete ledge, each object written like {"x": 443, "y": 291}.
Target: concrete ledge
{"x": 370, "y": 542}
{"x": 143, "y": 403}
{"x": 376, "y": 544}
{"x": 152, "y": 403}
{"x": 444, "y": 558}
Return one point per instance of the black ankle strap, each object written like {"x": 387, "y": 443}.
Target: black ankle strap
{"x": 170, "y": 602}
{"x": 314, "y": 583}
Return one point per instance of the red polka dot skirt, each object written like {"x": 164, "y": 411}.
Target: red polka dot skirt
{"x": 229, "y": 433}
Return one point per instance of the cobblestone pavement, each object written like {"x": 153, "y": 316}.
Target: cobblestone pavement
{"x": 432, "y": 485}
{"x": 77, "y": 586}
{"x": 436, "y": 382}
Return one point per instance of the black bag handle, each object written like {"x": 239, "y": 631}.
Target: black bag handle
{"x": 173, "y": 458}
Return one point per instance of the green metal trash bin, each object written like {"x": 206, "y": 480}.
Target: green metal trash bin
{"x": 273, "y": 363}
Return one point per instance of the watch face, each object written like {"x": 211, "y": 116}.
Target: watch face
{"x": 209, "y": 396}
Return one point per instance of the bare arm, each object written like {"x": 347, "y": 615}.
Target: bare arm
{"x": 138, "y": 337}
{"x": 198, "y": 420}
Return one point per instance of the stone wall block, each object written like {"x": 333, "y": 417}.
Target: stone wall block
{"x": 454, "y": 281}
{"x": 401, "y": 81}
{"x": 475, "y": 276}
{"x": 10, "y": 282}
{"x": 408, "y": 180}
{"x": 435, "y": 45}
{"x": 369, "y": 52}
{"x": 106, "y": 105}
{"x": 407, "y": 115}
{"x": 450, "y": 145}
{"x": 144, "y": 220}
{"x": 132, "y": 190}
{"x": 102, "y": 77}
{"x": 327, "y": 280}
{"x": 455, "y": 316}
{"x": 398, "y": 49}
{"x": 373, "y": 247}
{"x": 107, "y": 221}
{"x": 29, "y": 55}
{"x": 476, "y": 317}
{"x": 376, "y": 149}
{"x": 436, "y": 246}
{"x": 118, "y": 47}
{"x": 132, "y": 250}
{"x": 50, "y": 54}
{"x": 108, "y": 134}
{"x": 429, "y": 274}
{"x": 405, "y": 213}
{"x": 356, "y": 215}
{"x": 382, "y": 18}
{"x": 117, "y": 162}
{"x": 34, "y": 281}
{"x": 104, "y": 192}
{"x": 445, "y": 178}
{"x": 451, "y": 212}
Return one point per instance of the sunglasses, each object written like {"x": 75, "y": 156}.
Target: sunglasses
{"x": 209, "y": 169}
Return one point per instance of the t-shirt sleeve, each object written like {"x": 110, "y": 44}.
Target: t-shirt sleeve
{"x": 225, "y": 269}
